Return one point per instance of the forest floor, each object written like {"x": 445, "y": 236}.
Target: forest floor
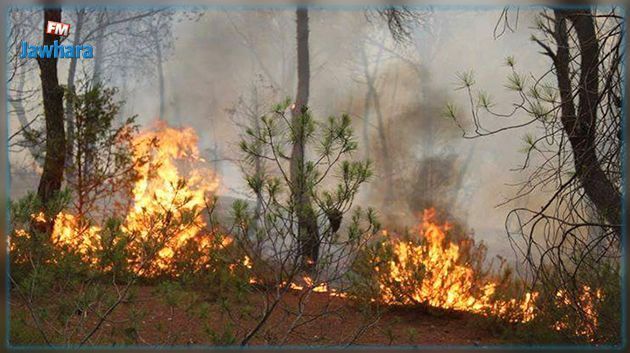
{"x": 150, "y": 319}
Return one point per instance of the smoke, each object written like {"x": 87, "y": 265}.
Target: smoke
{"x": 216, "y": 59}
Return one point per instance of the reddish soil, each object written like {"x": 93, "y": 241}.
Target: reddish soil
{"x": 157, "y": 322}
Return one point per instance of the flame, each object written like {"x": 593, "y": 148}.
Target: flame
{"x": 431, "y": 272}
{"x": 585, "y": 301}
{"x": 446, "y": 283}
{"x": 172, "y": 185}
{"x": 247, "y": 262}
{"x": 70, "y": 232}
{"x": 296, "y": 286}
{"x": 449, "y": 283}
{"x": 39, "y": 217}
{"x": 321, "y": 287}
{"x": 172, "y": 188}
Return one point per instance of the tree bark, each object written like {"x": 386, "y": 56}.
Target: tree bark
{"x": 52, "y": 175}
{"x": 581, "y": 126}
{"x": 308, "y": 233}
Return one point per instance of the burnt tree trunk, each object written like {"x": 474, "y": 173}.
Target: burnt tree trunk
{"x": 52, "y": 93}
{"x": 308, "y": 233}
{"x": 580, "y": 126}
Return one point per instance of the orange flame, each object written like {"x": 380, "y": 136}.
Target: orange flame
{"x": 70, "y": 232}
{"x": 445, "y": 281}
{"x": 171, "y": 191}
{"x": 173, "y": 185}
{"x": 587, "y": 297}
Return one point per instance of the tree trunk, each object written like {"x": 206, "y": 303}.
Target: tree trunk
{"x": 52, "y": 93}
{"x": 581, "y": 127}
{"x": 308, "y": 233}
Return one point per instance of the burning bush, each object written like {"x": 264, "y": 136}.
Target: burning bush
{"x": 432, "y": 270}
{"x": 582, "y": 309}
{"x": 133, "y": 209}
{"x": 169, "y": 197}
{"x": 134, "y": 200}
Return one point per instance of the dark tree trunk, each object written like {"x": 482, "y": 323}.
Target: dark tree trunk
{"x": 52, "y": 175}
{"x": 581, "y": 127}
{"x": 308, "y": 233}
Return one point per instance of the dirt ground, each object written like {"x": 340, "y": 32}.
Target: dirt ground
{"x": 157, "y": 322}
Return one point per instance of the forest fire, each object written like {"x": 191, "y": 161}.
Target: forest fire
{"x": 71, "y": 232}
{"x": 168, "y": 197}
{"x": 586, "y": 300}
{"x": 173, "y": 187}
{"x": 432, "y": 272}
{"x": 170, "y": 194}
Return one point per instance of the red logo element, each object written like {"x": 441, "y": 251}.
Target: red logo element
{"x": 58, "y": 28}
